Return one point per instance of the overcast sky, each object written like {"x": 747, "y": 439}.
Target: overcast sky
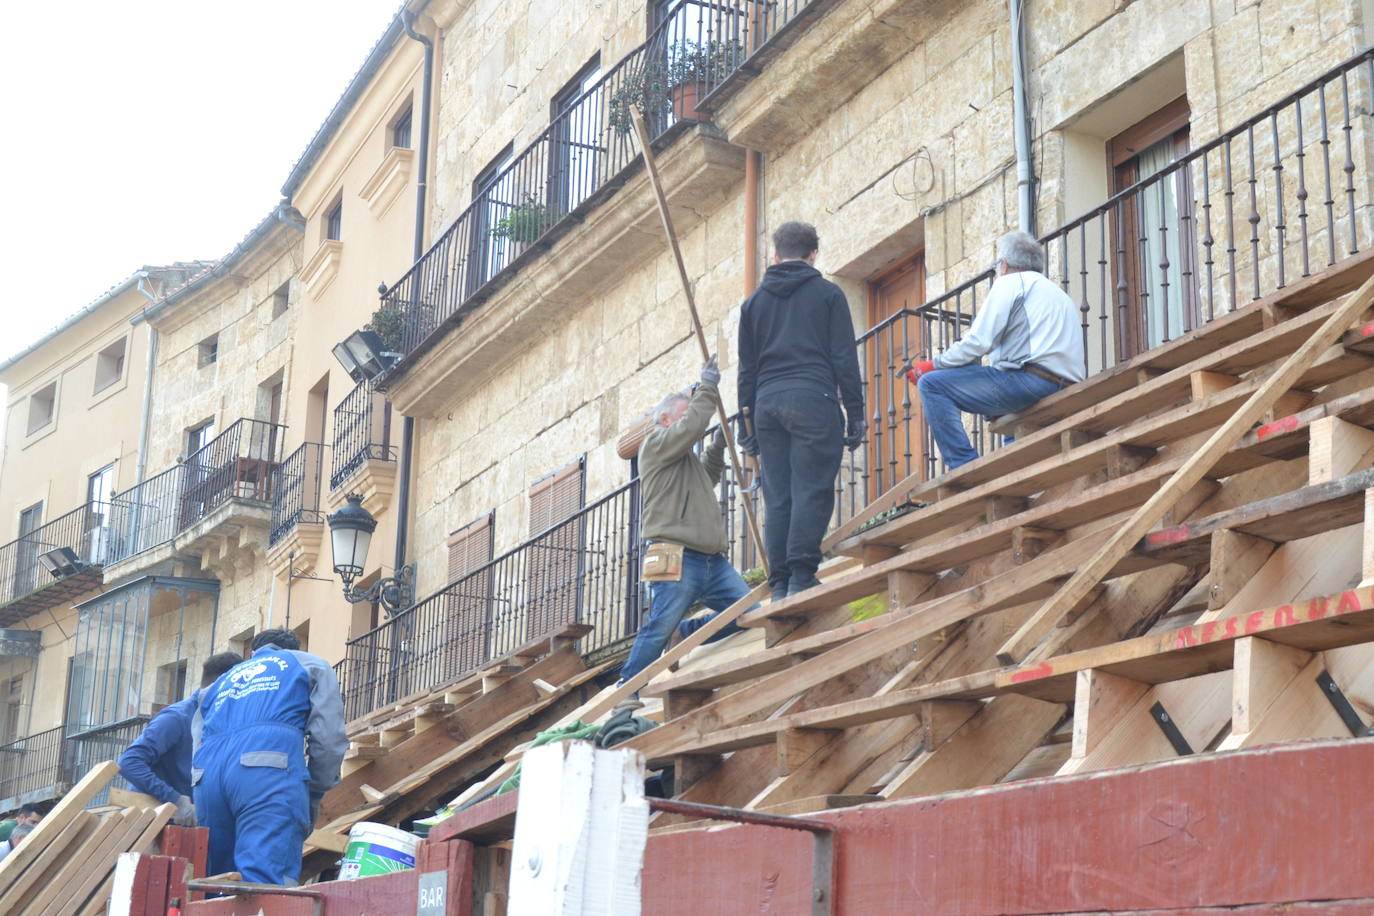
{"x": 150, "y": 131}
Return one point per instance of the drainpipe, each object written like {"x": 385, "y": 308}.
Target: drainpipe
{"x": 1025, "y": 173}
{"x": 421, "y": 191}
{"x": 751, "y": 222}
{"x": 142, "y": 467}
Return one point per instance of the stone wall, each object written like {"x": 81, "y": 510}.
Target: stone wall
{"x": 894, "y": 135}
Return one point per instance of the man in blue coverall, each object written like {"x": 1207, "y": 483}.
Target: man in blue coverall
{"x": 158, "y": 763}
{"x": 269, "y": 742}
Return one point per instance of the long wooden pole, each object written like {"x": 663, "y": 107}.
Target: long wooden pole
{"x": 642, "y": 131}
{"x": 1124, "y": 539}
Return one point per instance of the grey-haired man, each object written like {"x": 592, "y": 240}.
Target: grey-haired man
{"x": 1029, "y": 329}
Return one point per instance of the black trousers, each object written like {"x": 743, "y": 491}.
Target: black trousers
{"x": 801, "y": 442}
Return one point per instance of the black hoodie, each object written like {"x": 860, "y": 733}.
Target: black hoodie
{"x": 795, "y": 333}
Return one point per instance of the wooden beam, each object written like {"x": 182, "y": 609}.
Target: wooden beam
{"x": 1101, "y": 700}
{"x": 1299, "y": 709}
{"x": 71, "y": 804}
{"x": 1197, "y": 467}
{"x": 798, "y": 745}
{"x": 1236, "y": 557}
{"x": 1337, "y": 448}
{"x": 1263, "y": 670}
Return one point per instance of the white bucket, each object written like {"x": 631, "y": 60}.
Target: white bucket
{"x": 376, "y": 849}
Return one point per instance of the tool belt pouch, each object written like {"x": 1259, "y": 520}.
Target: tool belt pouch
{"x": 663, "y": 563}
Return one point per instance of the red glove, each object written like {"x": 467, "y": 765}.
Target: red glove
{"x": 919, "y": 369}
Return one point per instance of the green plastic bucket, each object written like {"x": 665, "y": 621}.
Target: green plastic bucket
{"x": 376, "y": 849}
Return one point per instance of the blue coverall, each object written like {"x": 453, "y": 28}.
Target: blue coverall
{"x": 253, "y": 787}
{"x": 158, "y": 763}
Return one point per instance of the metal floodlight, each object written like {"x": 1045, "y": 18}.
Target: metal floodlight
{"x": 350, "y": 534}
{"x": 363, "y": 355}
{"x": 61, "y": 562}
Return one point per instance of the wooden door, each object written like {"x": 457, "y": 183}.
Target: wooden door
{"x": 895, "y": 443}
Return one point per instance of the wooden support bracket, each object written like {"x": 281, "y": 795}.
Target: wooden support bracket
{"x": 798, "y": 745}
{"x": 1337, "y": 448}
{"x": 1236, "y": 557}
{"x": 1100, "y": 700}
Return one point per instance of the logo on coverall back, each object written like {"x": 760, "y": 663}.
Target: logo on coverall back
{"x": 257, "y": 676}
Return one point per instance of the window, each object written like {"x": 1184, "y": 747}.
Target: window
{"x": 333, "y": 221}
{"x": 469, "y": 597}
{"x": 552, "y": 578}
{"x": 207, "y": 351}
{"x": 492, "y": 238}
{"x": 171, "y": 682}
{"x": 281, "y": 300}
{"x": 99, "y": 493}
{"x": 30, "y": 546}
{"x": 1155, "y": 234}
{"x": 199, "y": 436}
{"x": 42, "y": 407}
{"x": 577, "y": 131}
{"x": 400, "y": 129}
{"x": 109, "y": 365}
{"x": 14, "y": 710}
{"x": 895, "y": 443}
{"x": 241, "y": 643}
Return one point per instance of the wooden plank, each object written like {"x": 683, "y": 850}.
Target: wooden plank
{"x": 982, "y": 751}
{"x": 1338, "y": 448}
{"x": 55, "y": 822}
{"x": 1263, "y": 670}
{"x": 125, "y": 798}
{"x": 88, "y": 868}
{"x": 40, "y": 874}
{"x": 1101, "y": 699}
{"x": 328, "y": 840}
{"x": 1197, "y": 467}
{"x": 1235, "y": 557}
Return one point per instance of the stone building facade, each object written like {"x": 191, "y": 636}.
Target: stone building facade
{"x": 1172, "y": 175}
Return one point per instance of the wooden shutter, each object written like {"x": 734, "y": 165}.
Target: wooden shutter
{"x": 469, "y": 598}
{"x": 553, "y": 577}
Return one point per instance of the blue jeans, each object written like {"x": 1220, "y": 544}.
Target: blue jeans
{"x": 973, "y": 389}
{"x": 708, "y": 578}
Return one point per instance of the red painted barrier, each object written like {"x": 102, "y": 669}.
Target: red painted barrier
{"x": 1273, "y": 825}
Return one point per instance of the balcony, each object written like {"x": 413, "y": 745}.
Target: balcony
{"x": 583, "y": 170}
{"x": 27, "y": 587}
{"x": 1256, "y": 215}
{"x": 215, "y": 505}
{"x": 34, "y": 769}
{"x": 364, "y": 460}
{"x": 297, "y": 519}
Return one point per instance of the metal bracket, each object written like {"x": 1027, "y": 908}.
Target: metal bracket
{"x": 1338, "y": 701}
{"x": 822, "y": 846}
{"x": 1170, "y": 729}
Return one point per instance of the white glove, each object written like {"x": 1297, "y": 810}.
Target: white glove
{"x": 186, "y": 811}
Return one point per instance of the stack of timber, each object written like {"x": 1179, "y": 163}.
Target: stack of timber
{"x": 412, "y": 756}
{"x": 1175, "y": 556}
{"x": 66, "y": 865}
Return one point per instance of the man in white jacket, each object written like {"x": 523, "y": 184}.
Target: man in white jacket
{"x": 1029, "y": 329}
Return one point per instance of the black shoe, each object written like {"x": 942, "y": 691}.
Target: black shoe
{"x": 780, "y": 591}
{"x": 800, "y": 584}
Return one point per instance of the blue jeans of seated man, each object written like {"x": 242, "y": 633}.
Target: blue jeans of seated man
{"x": 973, "y": 389}
{"x": 708, "y": 578}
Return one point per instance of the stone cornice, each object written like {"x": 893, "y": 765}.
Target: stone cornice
{"x": 322, "y": 267}
{"x": 382, "y": 189}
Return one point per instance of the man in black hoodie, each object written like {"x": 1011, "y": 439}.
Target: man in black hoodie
{"x": 797, "y": 365}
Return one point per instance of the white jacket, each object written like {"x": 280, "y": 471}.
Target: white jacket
{"x": 1042, "y": 327}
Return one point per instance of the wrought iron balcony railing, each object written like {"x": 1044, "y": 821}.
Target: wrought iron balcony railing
{"x": 236, "y": 464}
{"x": 33, "y": 766}
{"x": 84, "y": 531}
{"x": 362, "y": 431}
{"x": 586, "y": 151}
{"x": 296, "y": 490}
{"x": 1281, "y": 196}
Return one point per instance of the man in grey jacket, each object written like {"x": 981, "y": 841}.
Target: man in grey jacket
{"x": 269, "y": 740}
{"x": 1029, "y": 329}
{"x": 681, "y": 510}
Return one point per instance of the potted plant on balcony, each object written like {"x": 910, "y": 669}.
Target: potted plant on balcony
{"x": 388, "y": 323}
{"x": 645, "y": 88}
{"x": 523, "y": 223}
{"x": 695, "y": 68}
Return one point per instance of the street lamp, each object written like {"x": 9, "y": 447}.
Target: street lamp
{"x": 350, "y": 534}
